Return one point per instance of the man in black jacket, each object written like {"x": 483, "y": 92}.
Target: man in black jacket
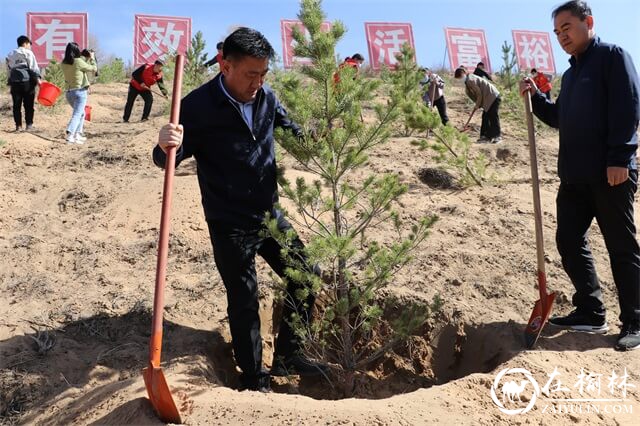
{"x": 597, "y": 112}
{"x": 227, "y": 125}
{"x": 480, "y": 72}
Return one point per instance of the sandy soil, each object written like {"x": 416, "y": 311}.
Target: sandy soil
{"x": 78, "y": 231}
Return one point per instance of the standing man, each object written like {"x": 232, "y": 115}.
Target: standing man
{"x": 434, "y": 95}
{"x": 227, "y": 125}
{"x": 141, "y": 81}
{"x": 486, "y": 96}
{"x": 24, "y": 76}
{"x": 218, "y": 58}
{"x": 597, "y": 112}
{"x": 480, "y": 72}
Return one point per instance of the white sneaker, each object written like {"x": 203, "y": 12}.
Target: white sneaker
{"x": 74, "y": 140}
{"x": 80, "y": 138}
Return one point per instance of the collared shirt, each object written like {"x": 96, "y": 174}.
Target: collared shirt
{"x": 246, "y": 109}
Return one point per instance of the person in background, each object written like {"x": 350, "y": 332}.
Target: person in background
{"x": 23, "y": 77}
{"x": 542, "y": 82}
{"x": 141, "y": 81}
{"x": 597, "y": 112}
{"x": 75, "y": 69}
{"x": 434, "y": 95}
{"x": 480, "y": 72}
{"x": 355, "y": 61}
{"x": 486, "y": 96}
{"x": 216, "y": 59}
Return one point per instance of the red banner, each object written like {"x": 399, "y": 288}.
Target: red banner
{"x": 467, "y": 47}
{"x": 384, "y": 40}
{"x": 157, "y": 36}
{"x": 534, "y": 50}
{"x": 288, "y": 43}
{"x": 51, "y": 32}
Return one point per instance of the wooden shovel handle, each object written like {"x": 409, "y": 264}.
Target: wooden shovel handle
{"x": 155, "y": 347}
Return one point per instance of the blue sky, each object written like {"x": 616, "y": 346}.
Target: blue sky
{"x": 617, "y": 21}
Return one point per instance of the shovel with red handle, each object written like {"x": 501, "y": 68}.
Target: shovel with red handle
{"x": 154, "y": 380}
{"x": 542, "y": 308}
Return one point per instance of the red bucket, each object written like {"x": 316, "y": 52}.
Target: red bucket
{"x": 87, "y": 112}
{"x": 48, "y": 94}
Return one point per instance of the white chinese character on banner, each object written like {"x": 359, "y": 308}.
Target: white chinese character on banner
{"x": 534, "y": 52}
{"x": 156, "y": 36}
{"x": 390, "y": 45}
{"x": 467, "y": 49}
{"x": 56, "y": 36}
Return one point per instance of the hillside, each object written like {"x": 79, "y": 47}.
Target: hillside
{"x": 78, "y": 238}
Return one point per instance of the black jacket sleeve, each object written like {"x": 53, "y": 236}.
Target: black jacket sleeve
{"x": 184, "y": 151}
{"x": 546, "y": 110}
{"x": 623, "y": 109}
{"x": 212, "y": 61}
{"x": 282, "y": 120}
{"x": 137, "y": 74}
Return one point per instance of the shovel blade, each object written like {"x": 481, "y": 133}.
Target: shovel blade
{"x": 160, "y": 395}
{"x": 538, "y": 319}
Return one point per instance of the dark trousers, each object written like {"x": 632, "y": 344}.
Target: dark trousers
{"x": 490, "y": 127}
{"x": 612, "y": 207}
{"x": 441, "y": 104}
{"x": 234, "y": 251}
{"x": 131, "y": 98}
{"x": 23, "y": 94}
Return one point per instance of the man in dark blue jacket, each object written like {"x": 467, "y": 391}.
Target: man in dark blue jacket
{"x": 597, "y": 112}
{"x": 227, "y": 125}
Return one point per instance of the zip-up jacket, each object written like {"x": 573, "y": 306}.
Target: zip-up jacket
{"x": 597, "y": 112}
{"x": 144, "y": 74}
{"x": 236, "y": 164}
{"x": 480, "y": 91}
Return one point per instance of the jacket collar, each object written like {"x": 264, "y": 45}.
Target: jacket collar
{"x": 593, "y": 43}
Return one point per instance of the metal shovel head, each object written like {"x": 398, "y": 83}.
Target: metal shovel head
{"x": 538, "y": 319}
{"x": 160, "y": 395}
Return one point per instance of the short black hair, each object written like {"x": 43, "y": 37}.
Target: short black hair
{"x": 220, "y": 45}
{"x": 480, "y": 64}
{"x": 533, "y": 70}
{"x": 459, "y": 72}
{"x": 159, "y": 62}
{"x": 247, "y": 42}
{"x": 22, "y": 40}
{"x": 357, "y": 57}
{"x": 578, "y": 8}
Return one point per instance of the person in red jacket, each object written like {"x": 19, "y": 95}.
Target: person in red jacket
{"x": 542, "y": 82}
{"x": 141, "y": 81}
{"x": 354, "y": 61}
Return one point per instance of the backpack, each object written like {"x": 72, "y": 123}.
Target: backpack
{"x": 19, "y": 74}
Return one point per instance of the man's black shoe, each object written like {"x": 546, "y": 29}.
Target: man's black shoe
{"x": 580, "y": 321}
{"x": 260, "y": 383}
{"x": 297, "y": 365}
{"x": 629, "y": 338}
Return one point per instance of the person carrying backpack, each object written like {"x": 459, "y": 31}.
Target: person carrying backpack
{"x": 23, "y": 77}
